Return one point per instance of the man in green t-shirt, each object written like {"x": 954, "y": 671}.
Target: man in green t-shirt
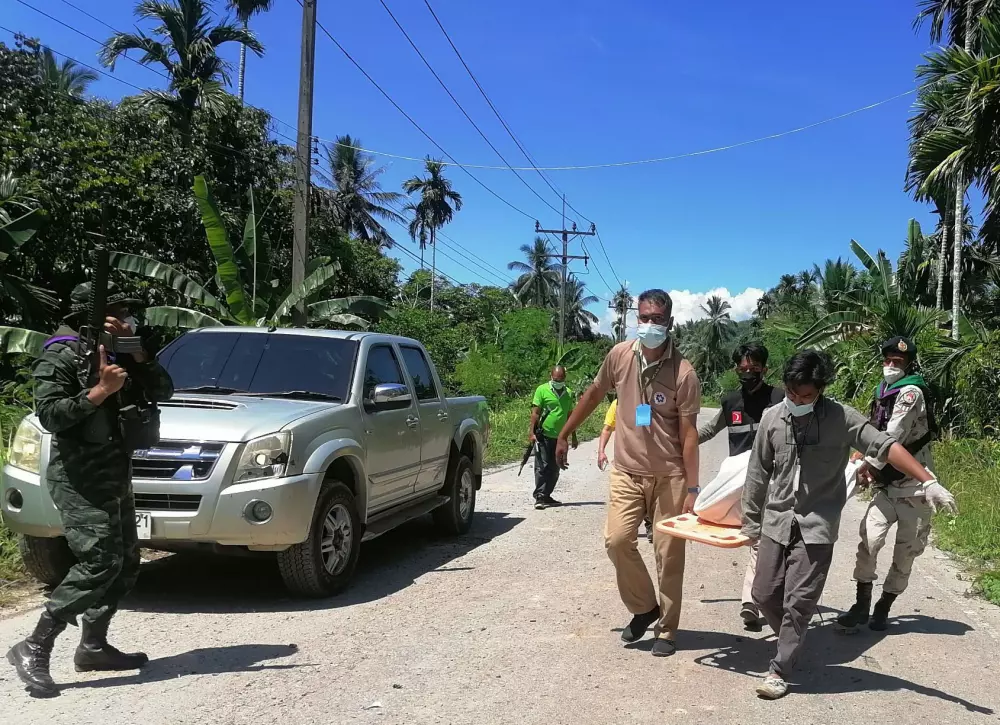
{"x": 551, "y": 405}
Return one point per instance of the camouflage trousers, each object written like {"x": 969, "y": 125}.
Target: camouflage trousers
{"x": 99, "y": 525}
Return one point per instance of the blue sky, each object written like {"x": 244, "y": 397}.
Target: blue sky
{"x": 581, "y": 86}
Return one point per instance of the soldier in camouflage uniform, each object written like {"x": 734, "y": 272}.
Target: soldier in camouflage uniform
{"x": 89, "y": 479}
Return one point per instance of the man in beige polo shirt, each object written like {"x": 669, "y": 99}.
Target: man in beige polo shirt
{"x": 655, "y": 471}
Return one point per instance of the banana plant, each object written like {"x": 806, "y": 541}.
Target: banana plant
{"x": 260, "y": 306}
{"x": 20, "y": 220}
{"x": 14, "y": 340}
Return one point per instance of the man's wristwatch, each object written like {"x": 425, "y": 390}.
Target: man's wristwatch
{"x": 694, "y": 489}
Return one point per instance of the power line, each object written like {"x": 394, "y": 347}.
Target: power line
{"x": 603, "y": 249}
{"x": 92, "y": 17}
{"x": 410, "y": 119}
{"x": 461, "y": 107}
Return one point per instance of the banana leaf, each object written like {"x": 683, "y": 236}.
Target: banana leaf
{"x": 153, "y": 269}
{"x": 225, "y": 258}
{"x": 15, "y": 340}
{"x": 179, "y": 317}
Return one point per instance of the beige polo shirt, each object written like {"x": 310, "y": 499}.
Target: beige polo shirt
{"x": 673, "y": 391}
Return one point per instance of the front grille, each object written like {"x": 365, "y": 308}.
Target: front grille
{"x": 167, "y": 501}
{"x": 176, "y": 461}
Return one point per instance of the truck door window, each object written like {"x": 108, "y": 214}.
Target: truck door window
{"x": 420, "y": 371}
{"x": 382, "y": 368}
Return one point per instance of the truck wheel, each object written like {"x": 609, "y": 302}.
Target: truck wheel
{"x": 48, "y": 560}
{"x": 323, "y": 564}
{"x": 455, "y": 517}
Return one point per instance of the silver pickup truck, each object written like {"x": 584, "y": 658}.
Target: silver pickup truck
{"x": 300, "y": 442}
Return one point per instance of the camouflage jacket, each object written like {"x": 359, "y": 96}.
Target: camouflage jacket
{"x": 87, "y": 447}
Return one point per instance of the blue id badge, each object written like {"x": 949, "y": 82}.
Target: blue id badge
{"x": 643, "y": 415}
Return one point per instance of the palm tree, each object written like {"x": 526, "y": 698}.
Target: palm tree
{"x": 717, "y": 327}
{"x": 358, "y": 199}
{"x": 539, "y": 278}
{"x": 621, "y": 303}
{"x": 437, "y": 206}
{"x": 953, "y": 110}
{"x": 837, "y": 280}
{"x": 186, "y": 44}
{"x": 68, "y": 77}
{"x": 245, "y": 10}
{"x": 418, "y": 229}
{"x": 578, "y": 317}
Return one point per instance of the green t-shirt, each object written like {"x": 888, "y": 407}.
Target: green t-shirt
{"x": 559, "y": 407}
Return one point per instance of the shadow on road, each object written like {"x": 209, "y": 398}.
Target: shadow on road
{"x": 197, "y": 583}
{"x": 206, "y": 661}
{"x": 824, "y": 667}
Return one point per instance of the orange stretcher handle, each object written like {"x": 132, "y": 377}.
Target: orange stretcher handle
{"x": 689, "y": 526}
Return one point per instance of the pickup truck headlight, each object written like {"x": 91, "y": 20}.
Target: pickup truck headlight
{"x": 26, "y": 448}
{"x": 264, "y": 457}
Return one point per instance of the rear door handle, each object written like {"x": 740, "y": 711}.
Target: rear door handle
{"x": 442, "y": 415}
{"x": 413, "y": 421}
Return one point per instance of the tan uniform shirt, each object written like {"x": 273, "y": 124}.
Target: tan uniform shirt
{"x": 671, "y": 389}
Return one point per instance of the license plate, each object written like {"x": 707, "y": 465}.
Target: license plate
{"x": 144, "y": 524}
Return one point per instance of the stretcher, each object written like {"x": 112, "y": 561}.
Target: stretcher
{"x": 689, "y": 526}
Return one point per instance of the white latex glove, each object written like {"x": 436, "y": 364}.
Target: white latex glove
{"x": 940, "y": 498}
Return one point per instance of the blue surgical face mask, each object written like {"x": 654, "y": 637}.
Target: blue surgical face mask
{"x": 799, "y": 410}
{"x": 650, "y": 335}
{"x": 557, "y": 385}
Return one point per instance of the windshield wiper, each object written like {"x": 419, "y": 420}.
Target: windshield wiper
{"x": 305, "y": 394}
{"x": 210, "y": 389}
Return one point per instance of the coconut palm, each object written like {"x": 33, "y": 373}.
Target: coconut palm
{"x": 418, "y": 228}
{"x": 358, "y": 198}
{"x": 68, "y": 77}
{"x": 437, "y": 205}
{"x": 185, "y": 43}
{"x": 717, "y": 328}
{"x": 578, "y": 318}
{"x": 245, "y": 10}
{"x": 538, "y": 283}
{"x": 621, "y": 303}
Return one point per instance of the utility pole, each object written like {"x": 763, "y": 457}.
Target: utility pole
{"x": 303, "y": 155}
{"x": 622, "y": 315}
{"x": 565, "y": 257}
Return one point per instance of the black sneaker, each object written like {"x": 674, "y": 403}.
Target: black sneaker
{"x": 640, "y": 623}
{"x": 549, "y": 501}
{"x": 663, "y": 647}
{"x": 751, "y": 617}
{"x": 541, "y": 505}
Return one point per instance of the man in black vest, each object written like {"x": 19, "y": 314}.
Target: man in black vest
{"x": 740, "y": 412}
{"x": 902, "y": 408}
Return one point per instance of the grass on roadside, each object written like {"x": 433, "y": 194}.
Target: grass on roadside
{"x": 970, "y": 469}
{"x": 509, "y": 430}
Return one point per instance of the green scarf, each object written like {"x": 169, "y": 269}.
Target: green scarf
{"x": 916, "y": 379}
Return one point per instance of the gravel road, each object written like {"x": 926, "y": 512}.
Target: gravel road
{"x": 517, "y": 622}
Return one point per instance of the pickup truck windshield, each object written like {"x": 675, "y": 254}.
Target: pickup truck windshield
{"x": 291, "y": 366}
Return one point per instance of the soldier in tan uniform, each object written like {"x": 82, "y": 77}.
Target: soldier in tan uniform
{"x": 901, "y": 408}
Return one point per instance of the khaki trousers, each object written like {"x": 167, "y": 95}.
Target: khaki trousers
{"x": 750, "y": 573}
{"x": 632, "y": 499}
{"x": 912, "y": 516}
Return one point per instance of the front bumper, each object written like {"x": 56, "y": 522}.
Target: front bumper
{"x": 219, "y": 517}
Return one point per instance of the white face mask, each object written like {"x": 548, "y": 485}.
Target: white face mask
{"x": 799, "y": 410}
{"x": 557, "y": 385}
{"x": 892, "y": 374}
{"x": 650, "y": 335}
{"x": 130, "y": 321}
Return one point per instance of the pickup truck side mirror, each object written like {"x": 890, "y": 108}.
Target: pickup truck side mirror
{"x": 390, "y": 396}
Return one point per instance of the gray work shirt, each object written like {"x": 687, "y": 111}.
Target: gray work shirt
{"x": 820, "y": 444}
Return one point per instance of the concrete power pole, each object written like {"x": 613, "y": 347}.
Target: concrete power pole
{"x": 303, "y": 155}
{"x": 564, "y": 258}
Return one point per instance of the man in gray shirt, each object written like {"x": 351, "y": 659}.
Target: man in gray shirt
{"x": 794, "y": 493}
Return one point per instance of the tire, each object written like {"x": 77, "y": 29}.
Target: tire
{"x": 48, "y": 560}
{"x": 455, "y": 517}
{"x": 305, "y": 568}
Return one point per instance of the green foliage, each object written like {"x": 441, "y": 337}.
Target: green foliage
{"x": 509, "y": 433}
{"x": 445, "y": 342}
{"x": 971, "y": 471}
{"x": 977, "y": 387}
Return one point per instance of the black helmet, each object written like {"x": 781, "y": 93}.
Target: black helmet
{"x": 79, "y": 298}
{"x": 900, "y": 345}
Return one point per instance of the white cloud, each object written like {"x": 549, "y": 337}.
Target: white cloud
{"x": 687, "y": 306}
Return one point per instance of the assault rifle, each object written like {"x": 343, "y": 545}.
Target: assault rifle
{"x": 92, "y": 335}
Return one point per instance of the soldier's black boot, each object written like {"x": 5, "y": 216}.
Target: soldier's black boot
{"x": 857, "y": 615}
{"x": 30, "y": 657}
{"x": 880, "y": 615}
{"x": 95, "y": 654}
